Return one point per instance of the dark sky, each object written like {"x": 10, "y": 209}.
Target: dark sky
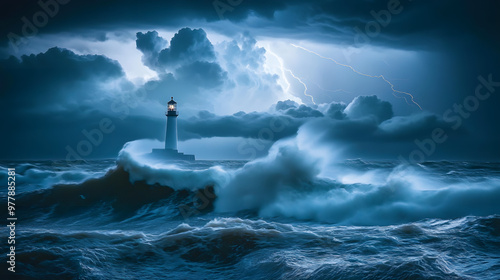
{"x": 418, "y": 80}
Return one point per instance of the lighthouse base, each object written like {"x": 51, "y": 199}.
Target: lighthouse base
{"x": 168, "y": 154}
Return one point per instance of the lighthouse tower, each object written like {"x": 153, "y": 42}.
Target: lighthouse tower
{"x": 170, "y": 152}
{"x": 171, "y": 136}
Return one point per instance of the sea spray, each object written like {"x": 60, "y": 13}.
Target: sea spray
{"x": 260, "y": 182}
{"x": 177, "y": 175}
{"x": 290, "y": 182}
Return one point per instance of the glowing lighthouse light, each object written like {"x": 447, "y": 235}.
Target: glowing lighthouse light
{"x": 172, "y": 105}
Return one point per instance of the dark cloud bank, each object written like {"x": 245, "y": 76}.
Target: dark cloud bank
{"x": 332, "y": 19}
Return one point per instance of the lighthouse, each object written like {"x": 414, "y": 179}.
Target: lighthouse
{"x": 170, "y": 152}
{"x": 171, "y": 135}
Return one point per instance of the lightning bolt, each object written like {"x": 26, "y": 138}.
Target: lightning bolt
{"x": 282, "y": 68}
{"x": 304, "y": 84}
{"x": 362, "y": 74}
{"x": 286, "y": 70}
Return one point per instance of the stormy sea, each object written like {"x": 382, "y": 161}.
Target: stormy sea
{"x": 284, "y": 216}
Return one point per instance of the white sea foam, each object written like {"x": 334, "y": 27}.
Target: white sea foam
{"x": 291, "y": 182}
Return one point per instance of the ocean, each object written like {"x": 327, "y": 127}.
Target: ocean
{"x": 266, "y": 219}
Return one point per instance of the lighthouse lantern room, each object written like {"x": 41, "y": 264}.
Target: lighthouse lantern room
{"x": 172, "y": 106}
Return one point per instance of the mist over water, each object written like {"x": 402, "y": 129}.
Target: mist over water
{"x": 291, "y": 214}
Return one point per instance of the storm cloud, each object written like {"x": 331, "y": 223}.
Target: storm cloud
{"x": 335, "y": 20}
{"x": 52, "y": 93}
{"x": 190, "y": 56}
{"x": 51, "y": 98}
{"x": 186, "y": 47}
{"x": 56, "y": 76}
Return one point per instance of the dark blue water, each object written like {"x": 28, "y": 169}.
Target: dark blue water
{"x": 267, "y": 219}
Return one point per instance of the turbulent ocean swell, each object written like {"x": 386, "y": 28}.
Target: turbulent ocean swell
{"x": 292, "y": 214}
{"x": 292, "y": 182}
{"x": 230, "y": 248}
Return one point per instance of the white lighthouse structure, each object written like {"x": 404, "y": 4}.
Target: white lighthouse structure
{"x": 170, "y": 152}
{"x": 171, "y": 135}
